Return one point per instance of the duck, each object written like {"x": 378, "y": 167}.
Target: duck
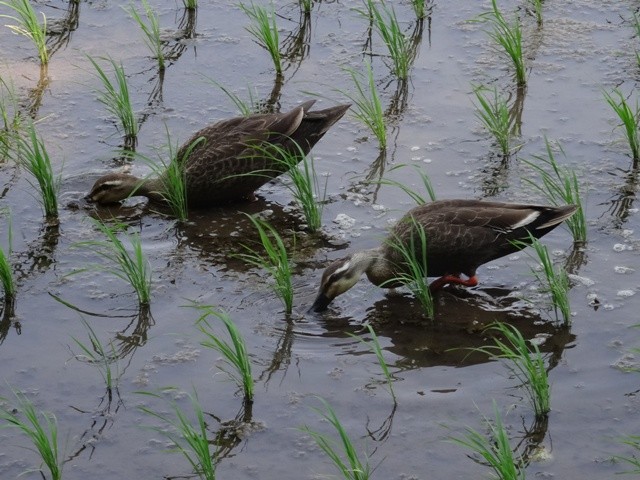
{"x": 229, "y": 160}
{"x": 460, "y": 236}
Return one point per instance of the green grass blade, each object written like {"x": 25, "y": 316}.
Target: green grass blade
{"x": 367, "y": 105}
{"x": 129, "y": 264}
{"x": 190, "y": 438}
{"x": 265, "y": 31}
{"x": 234, "y": 353}
{"x": 353, "y": 468}
{"x": 115, "y": 97}
{"x": 375, "y": 346}
{"x": 32, "y": 155}
{"x": 413, "y": 270}
{"x": 150, "y": 30}
{"x": 560, "y": 186}
{"x": 28, "y": 25}
{"x": 40, "y": 427}
{"x": 495, "y": 450}
{"x": 274, "y": 260}
{"x": 629, "y": 118}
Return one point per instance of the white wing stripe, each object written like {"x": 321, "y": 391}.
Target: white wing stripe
{"x": 525, "y": 221}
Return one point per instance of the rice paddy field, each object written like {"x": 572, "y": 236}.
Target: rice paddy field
{"x": 78, "y": 342}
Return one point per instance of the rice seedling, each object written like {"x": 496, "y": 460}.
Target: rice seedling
{"x": 172, "y": 174}
{"x": 495, "y": 450}
{"x": 386, "y": 24}
{"x": 234, "y": 353}
{"x": 636, "y": 27}
{"x": 525, "y": 363}
{"x": 555, "y": 281}
{"x": 305, "y": 6}
{"x": 265, "y": 31}
{"x": 6, "y": 272}
{"x": 426, "y": 182}
{"x": 374, "y": 344}
{"x": 6, "y": 276}
{"x": 115, "y": 97}
{"x": 40, "y": 427}
{"x": 304, "y": 185}
{"x": 274, "y": 260}
{"x": 342, "y": 452}
{"x": 10, "y": 117}
{"x": 150, "y": 30}
{"x": 560, "y": 186}
{"x": 130, "y": 266}
{"x": 493, "y": 112}
{"x": 246, "y": 108}
{"x": 189, "y": 438}
{"x": 634, "y": 461}
{"x": 537, "y": 10}
{"x": 307, "y": 191}
{"x": 190, "y": 4}
{"x": 95, "y": 353}
{"x": 28, "y": 25}
{"x": 509, "y": 36}
{"x": 32, "y": 155}
{"x": 368, "y": 108}
{"x": 420, "y": 8}
{"x": 629, "y": 118}
{"x": 413, "y": 270}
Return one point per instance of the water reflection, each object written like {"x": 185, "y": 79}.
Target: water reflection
{"x": 576, "y": 258}
{"x": 133, "y": 335}
{"x": 8, "y": 318}
{"x": 39, "y": 258}
{"x": 173, "y": 46}
{"x": 40, "y": 253}
{"x": 516, "y": 108}
{"x": 398, "y": 103}
{"x": 35, "y": 95}
{"x": 621, "y": 204}
{"x": 59, "y": 30}
{"x": 383, "y": 432}
{"x": 102, "y": 419}
{"x": 529, "y": 446}
{"x": 281, "y": 357}
{"x": 113, "y": 361}
{"x": 297, "y": 45}
{"x": 458, "y": 327}
{"x": 220, "y": 233}
{"x": 532, "y": 439}
{"x": 232, "y": 433}
{"x": 271, "y": 103}
{"x": 495, "y": 175}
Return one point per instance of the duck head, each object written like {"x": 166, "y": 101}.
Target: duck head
{"x": 341, "y": 275}
{"x": 113, "y": 188}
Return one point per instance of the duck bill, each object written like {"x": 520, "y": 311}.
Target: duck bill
{"x": 321, "y": 303}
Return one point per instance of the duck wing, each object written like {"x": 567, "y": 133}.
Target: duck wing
{"x": 464, "y": 234}
{"x": 221, "y": 157}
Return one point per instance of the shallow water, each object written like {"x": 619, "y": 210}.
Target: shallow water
{"x": 581, "y": 49}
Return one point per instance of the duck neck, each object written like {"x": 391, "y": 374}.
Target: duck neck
{"x": 374, "y": 264}
{"x": 150, "y": 188}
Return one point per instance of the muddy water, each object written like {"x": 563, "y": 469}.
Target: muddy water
{"x": 582, "y": 48}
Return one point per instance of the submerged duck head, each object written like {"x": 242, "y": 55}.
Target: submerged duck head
{"x": 341, "y": 275}
{"x": 113, "y": 188}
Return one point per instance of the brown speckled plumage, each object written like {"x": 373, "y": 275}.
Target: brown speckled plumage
{"x": 227, "y": 161}
{"x": 461, "y": 235}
